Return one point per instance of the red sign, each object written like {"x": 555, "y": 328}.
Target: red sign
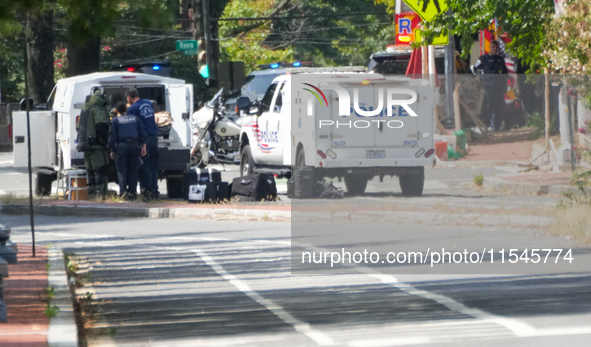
{"x": 405, "y": 26}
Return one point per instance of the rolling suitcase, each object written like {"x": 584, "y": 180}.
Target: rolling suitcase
{"x": 206, "y": 192}
{"x": 208, "y": 175}
{"x": 199, "y": 176}
{"x": 223, "y": 191}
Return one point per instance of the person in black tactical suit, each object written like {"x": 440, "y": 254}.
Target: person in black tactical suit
{"x": 126, "y": 143}
{"x": 495, "y": 84}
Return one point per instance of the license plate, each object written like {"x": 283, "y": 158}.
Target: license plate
{"x": 371, "y": 154}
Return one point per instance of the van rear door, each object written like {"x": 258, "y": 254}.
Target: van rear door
{"x": 180, "y": 105}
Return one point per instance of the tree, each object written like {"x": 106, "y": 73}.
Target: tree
{"x": 569, "y": 43}
{"x": 524, "y": 20}
{"x": 39, "y": 33}
{"x": 326, "y": 32}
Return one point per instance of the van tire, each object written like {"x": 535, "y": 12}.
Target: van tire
{"x": 412, "y": 184}
{"x": 174, "y": 187}
{"x": 355, "y": 185}
{"x": 303, "y": 182}
{"x": 246, "y": 162}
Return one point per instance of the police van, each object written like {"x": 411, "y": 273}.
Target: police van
{"x": 53, "y": 130}
{"x": 343, "y": 124}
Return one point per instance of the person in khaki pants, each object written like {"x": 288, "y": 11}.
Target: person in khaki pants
{"x": 93, "y": 134}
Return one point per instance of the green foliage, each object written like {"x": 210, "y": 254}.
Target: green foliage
{"x": 51, "y": 310}
{"x": 317, "y": 33}
{"x": 185, "y": 67}
{"x": 537, "y": 121}
{"x": 50, "y": 292}
{"x": 524, "y": 20}
{"x": 582, "y": 178}
{"x": 569, "y": 45}
{"x": 478, "y": 179}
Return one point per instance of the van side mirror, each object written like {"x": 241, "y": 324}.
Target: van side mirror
{"x": 243, "y": 102}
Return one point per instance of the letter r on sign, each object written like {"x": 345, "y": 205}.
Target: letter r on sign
{"x": 404, "y": 26}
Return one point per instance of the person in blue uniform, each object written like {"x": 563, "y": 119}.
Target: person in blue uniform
{"x": 127, "y": 142}
{"x": 144, "y": 110}
{"x": 495, "y": 83}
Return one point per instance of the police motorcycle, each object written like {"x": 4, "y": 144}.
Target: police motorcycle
{"x": 216, "y": 133}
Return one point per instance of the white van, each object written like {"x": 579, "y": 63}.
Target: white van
{"x": 297, "y": 126}
{"x": 53, "y": 131}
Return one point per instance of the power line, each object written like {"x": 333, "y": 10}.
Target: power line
{"x": 295, "y": 17}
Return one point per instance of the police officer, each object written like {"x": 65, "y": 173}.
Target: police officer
{"x": 148, "y": 176}
{"x": 126, "y": 143}
{"x": 493, "y": 64}
{"x": 93, "y": 134}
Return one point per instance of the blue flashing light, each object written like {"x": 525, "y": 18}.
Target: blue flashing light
{"x": 274, "y": 66}
{"x": 156, "y": 67}
{"x": 296, "y": 64}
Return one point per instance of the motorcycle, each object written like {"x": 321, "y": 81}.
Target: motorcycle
{"x": 216, "y": 134}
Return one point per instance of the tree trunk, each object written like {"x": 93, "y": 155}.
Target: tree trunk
{"x": 40, "y": 54}
{"x": 85, "y": 58}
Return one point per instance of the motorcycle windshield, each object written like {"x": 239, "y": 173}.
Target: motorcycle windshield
{"x": 215, "y": 98}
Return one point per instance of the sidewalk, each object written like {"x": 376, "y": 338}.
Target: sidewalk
{"x": 536, "y": 182}
{"x": 271, "y": 211}
{"x": 25, "y": 299}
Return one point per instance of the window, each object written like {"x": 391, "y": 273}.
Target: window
{"x": 266, "y": 102}
{"x": 255, "y": 85}
{"x": 279, "y": 100}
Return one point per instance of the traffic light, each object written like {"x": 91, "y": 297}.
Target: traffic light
{"x": 202, "y": 52}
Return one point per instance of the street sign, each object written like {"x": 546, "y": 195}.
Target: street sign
{"x": 427, "y": 9}
{"x": 405, "y": 26}
{"x": 190, "y": 52}
{"x": 441, "y": 40}
{"x": 186, "y": 45}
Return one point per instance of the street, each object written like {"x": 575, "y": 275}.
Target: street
{"x": 200, "y": 282}
{"x": 450, "y": 187}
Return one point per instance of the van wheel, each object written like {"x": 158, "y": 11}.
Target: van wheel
{"x": 174, "y": 187}
{"x": 246, "y": 162}
{"x": 303, "y": 182}
{"x": 301, "y": 158}
{"x": 412, "y": 184}
{"x": 355, "y": 185}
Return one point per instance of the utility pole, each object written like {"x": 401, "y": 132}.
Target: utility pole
{"x": 450, "y": 63}
{"x": 208, "y": 43}
{"x": 31, "y": 215}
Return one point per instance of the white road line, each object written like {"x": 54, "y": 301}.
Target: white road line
{"x": 304, "y": 328}
{"x": 402, "y": 341}
{"x": 518, "y": 328}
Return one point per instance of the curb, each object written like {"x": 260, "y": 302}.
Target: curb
{"x": 480, "y": 219}
{"x": 463, "y": 164}
{"x": 148, "y": 212}
{"x": 499, "y": 184}
{"x": 63, "y": 331}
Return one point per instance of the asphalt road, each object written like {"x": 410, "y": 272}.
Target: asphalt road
{"x": 207, "y": 283}
{"x": 443, "y": 187}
